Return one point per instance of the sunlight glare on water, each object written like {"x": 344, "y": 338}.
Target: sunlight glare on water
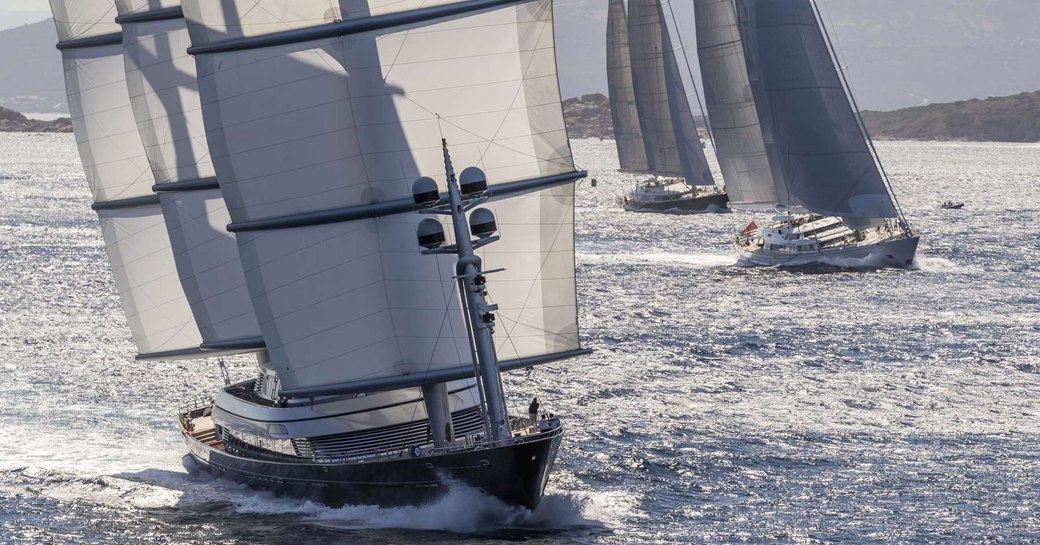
{"x": 723, "y": 404}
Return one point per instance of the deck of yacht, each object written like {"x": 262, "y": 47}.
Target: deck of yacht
{"x": 201, "y": 427}
{"x": 830, "y": 233}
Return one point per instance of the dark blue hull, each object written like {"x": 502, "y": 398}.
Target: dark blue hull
{"x": 709, "y": 203}
{"x": 515, "y": 473}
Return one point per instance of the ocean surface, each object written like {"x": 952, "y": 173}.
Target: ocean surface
{"x": 723, "y": 404}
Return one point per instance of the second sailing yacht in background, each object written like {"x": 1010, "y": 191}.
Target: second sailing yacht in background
{"x": 790, "y": 140}
{"x": 379, "y": 348}
{"x": 653, "y": 126}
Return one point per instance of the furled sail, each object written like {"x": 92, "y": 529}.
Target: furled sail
{"x": 664, "y": 112}
{"x": 165, "y": 101}
{"x": 627, "y": 134}
{"x": 827, "y": 165}
{"x": 120, "y": 180}
{"x": 320, "y": 119}
{"x": 731, "y": 106}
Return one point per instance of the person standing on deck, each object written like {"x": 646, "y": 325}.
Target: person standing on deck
{"x": 532, "y": 410}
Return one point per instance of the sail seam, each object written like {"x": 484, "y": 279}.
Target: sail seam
{"x": 351, "y": 26}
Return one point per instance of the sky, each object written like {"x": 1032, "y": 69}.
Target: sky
{"x": 19, "y": 12}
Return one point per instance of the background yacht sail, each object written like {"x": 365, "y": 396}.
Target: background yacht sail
{"x": 731, "y": 107}
{"x": 628, "y": 136}
{"x": 655, "y": 117}
{"x": 117, "y": 170}
{"x": 827, "y": 165}
{"x": 664, "y": 112}
{"x": 687, "y": 140}
{"x": 320, "y": 119}
{"x": 165, "y": 101}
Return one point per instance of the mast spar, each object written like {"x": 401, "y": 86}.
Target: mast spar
{"x": 480, "y": 321}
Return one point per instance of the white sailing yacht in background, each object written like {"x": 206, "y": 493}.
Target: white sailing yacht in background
{"x": 790, "y": 141}
{"x": 653, "y": 126}
{"x": 317, "y": 132}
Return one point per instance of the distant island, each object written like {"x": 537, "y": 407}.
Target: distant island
{"x": 1001, "y": 119}
{"x": 12, "y": 121}
{"x": 588, "y": 116}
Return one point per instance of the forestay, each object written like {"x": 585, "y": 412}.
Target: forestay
{"x": 627, "y": 134}
{"x": 827, "y": 165}
{"x": 120, "y": 180}
{"x": 731, "y": 107}
{"x": 164, "y": 97}
{"x": 313, "y": 109}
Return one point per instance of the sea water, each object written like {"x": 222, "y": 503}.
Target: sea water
{"x": 723, "y": 404}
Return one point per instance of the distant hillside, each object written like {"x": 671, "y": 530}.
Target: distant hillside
{"x": 31, "y": 74}
{"x": 589, "y": 117}
{"x": 899, "y": 53}
{"x": 1002, "y": 119}
{"x": 12, "y": 121}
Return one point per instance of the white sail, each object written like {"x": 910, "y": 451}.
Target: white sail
{"x": 165, "y": 100}
{"x": 318, "y": 133}
{"x": 627, "y": 135}
{"x": 120, "y": 180}
{"x": 731, "y": 106}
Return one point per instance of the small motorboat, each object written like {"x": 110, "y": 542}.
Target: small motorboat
{"x": 950, "y": 205}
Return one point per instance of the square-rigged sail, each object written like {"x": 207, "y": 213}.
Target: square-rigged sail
{"x": 120, "y": 179}
{"x": 320, "y": 119}
{"x": 165, "y": 101}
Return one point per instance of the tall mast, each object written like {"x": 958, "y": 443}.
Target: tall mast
{"x": 480, "y": 314}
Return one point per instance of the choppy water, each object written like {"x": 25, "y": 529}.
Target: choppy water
{"x": 724, "y": 404}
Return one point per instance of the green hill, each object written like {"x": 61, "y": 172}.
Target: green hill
{"x": 1000, "y": 119}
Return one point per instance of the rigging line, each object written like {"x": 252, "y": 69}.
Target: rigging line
{"x": 693, "y": 80}
{"x": 859, "y": 119}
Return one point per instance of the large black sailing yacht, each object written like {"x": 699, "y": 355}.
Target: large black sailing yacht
{"x": 278, "y": 177}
